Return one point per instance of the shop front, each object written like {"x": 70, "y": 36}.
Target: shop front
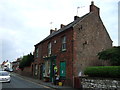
{"x": 49, "y": 64}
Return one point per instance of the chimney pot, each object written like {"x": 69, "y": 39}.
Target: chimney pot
{"x": 55, "y": 29}
{"x": 92, "y": 3}
{"x": 94, "y": 8}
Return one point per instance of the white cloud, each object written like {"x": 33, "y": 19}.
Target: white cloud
{"x": 23, "y": 23}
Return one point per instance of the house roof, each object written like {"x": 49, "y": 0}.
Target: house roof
{"x": 64, "y": 28}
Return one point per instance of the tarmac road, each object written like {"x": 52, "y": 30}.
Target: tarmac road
{"x": 21, "y": 83}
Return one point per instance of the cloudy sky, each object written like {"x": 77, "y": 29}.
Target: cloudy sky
{"x": 24, "y": 23}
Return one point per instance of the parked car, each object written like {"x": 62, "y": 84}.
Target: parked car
{"x": 5, "y": 76}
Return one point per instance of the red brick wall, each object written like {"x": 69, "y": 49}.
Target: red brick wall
{"x": 56, "y": 50}
{"x": 89, "y": 41}
{"x": 27, "y": 71}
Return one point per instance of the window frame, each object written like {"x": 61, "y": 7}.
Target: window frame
{"x": 49, "y": 48}
{"x": 36, "y": 69}
{"x": 64, "y": 43}
{"x": 37, "y": 50}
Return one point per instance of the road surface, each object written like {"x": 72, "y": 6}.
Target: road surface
{"x": 18, "y": 82}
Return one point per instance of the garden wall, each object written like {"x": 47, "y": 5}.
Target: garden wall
{"x": 25, "y": 72}
{"x": 100, "y": 83}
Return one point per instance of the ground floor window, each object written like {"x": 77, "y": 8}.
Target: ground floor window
{"x": 36, "y": 69}
{"x": 47, "y": 68}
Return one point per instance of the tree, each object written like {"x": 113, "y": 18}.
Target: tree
{"x": 112, "y": 54}
{"x": 26, "y": 61}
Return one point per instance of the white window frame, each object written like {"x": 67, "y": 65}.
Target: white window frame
{"x": 64, "y": 43}
{"x": 36, "y": 69}
{"x": 49, "y": 48}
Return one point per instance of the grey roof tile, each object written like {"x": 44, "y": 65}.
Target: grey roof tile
{"x": 64, "y": 28}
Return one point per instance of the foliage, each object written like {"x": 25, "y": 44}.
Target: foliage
{"x": 103, "y": 71}
{"x": 112, "y": 54}
{"x": 26, "y": 60}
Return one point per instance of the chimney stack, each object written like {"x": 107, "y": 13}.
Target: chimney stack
{"x": 61, "y": 26}
{"x": 55, "y": 29}
{"x": 94, "y": 8}
{"x": 76, "y": 17}
{"x": 52, "y": 31}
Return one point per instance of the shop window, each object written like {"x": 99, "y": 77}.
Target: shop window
{"x": 36, "y": 69}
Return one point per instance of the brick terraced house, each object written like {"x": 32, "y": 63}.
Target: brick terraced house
{"x": 72, "y": 48}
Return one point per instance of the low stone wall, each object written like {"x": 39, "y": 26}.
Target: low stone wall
{"x": 100, "y": 83}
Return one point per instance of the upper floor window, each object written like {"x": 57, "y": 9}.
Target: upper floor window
{"x": 49, "y": 48}
{"x": 37, "y": 52}
{"x": 64, "y": 43}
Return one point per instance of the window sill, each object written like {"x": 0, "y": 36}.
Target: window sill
{"x": 63, "y": 50}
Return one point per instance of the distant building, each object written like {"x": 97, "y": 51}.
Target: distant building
{"x": 16, "y": 64}
{"x": 6, "y": 65}
{"x": 72, "y": 48}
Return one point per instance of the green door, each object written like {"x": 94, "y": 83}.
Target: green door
{"x": 63, "y": 69}
{"x": 53, "y": 63}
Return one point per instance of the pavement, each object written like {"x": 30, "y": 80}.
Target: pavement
{"x": 45, "y": 84}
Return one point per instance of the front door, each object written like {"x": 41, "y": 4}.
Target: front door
{"x": 63, "y": 69}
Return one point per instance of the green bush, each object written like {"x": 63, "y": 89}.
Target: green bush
{"x": 103, "y": 71}
{"x": 112, "y": 55}
{"x": 26, "y": 61}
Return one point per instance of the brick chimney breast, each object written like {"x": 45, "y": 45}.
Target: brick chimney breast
{"x": 94, "y": 8}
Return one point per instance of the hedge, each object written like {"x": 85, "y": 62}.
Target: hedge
{"x": 103, "y": 71}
